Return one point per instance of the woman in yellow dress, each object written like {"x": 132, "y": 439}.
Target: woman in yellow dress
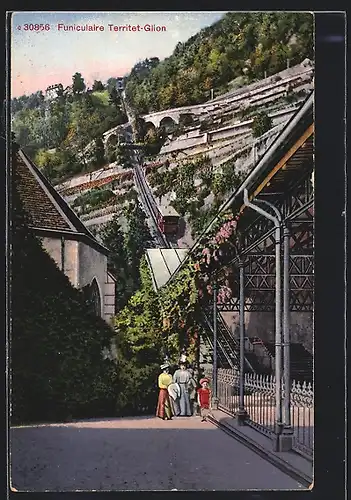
{"x": 164, "y": 409}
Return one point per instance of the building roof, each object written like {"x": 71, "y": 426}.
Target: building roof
{"x": 165, "y": 207}
{"x": 167, "y": 210}
{"x": 48, "y": 211}
{"x": 163, "y": 262}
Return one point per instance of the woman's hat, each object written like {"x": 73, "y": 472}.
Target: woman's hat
{"x": 164, "y": 366}
{"x": 205, "y": 379}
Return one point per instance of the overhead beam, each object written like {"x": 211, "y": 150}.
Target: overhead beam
{"x": 282, "y": 162}
{"x": 285, "y": 159}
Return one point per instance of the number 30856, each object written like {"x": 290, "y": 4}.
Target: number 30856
{"x": 36, "y": 27}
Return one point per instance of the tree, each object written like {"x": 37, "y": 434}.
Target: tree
{"x": 215, "y": 56}
{"x": 99, "y": 152}
{"x": 48, "y": 162}
{"x": 111, "y": 83}
{"x": 138, "y": 238}
{"x": 110, "y": 152}
{"x": 122, "y": 157}
{"x": 113, "y": 238}
{"x": 262, "y": 122}
{"x": 97, "y": 86}
{"x": 114, "y": 98}
{"x": 78, "y": 84}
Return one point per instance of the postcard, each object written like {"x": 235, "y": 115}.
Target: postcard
{"x": 162, "y": 297}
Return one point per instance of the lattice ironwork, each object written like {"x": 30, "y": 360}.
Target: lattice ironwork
{"x": 293, "y": 195}
{"x": 260, "y": 237}
{"x": 260, "y": 284}
{"x": 300, "y": 199}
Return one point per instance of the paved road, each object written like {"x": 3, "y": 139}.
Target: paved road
{"x": 142, "y": 453}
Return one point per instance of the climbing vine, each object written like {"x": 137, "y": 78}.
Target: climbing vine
{"x": 192, "y": 288}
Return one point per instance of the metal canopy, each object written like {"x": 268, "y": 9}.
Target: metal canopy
{"x": 163, "y": 262}
{"x": 290, "y": 190}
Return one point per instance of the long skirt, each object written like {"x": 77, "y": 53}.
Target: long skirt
{"x": 184, "y": 402}
{"x": 163, "y": 405}
{"x": 174, "y": 406}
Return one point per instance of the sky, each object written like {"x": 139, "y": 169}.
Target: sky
{"x": 45, "y": 57}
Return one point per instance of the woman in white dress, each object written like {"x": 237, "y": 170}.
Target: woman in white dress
{"x": 182, "y": 377}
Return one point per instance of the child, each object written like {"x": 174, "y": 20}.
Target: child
{"x": 204, "y": 399}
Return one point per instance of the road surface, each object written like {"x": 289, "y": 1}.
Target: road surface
{"x": 140, "y": 453}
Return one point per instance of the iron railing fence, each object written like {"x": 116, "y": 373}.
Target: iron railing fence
{"x": 302, "y": 416}
{"x": 260, "y": 404}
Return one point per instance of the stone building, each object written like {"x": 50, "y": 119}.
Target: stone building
{"x": 74, "y": 249}
{"x": 53, "y": 91}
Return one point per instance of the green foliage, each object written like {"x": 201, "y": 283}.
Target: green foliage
{"x": 57, "y": 164}
{"x": 97, "y": 86}
{"x": 93, "y": 199}
{"x": 127, "y": 249}
{"x": 114, "y": 97}
{"x": 100, "y": 98}
{"x": 140, "y": 349}
{"x": 78, "y": 84}
{"x": 57, "y": 366}
{"x": 111, "y": 83}
{"x": 137, "y": 239}
{"x": 113, "y": 238}
{"x": 99, "y": 152}
{"x": 150, "y": 327}
{"x": 261, "y": 124}
{"x": 67, "y": 125}
{"x": 240, "y": 47}
{"x": 122, "y": 156}
{"x": 189, "y": 200}
{"x": 32, "y": 101}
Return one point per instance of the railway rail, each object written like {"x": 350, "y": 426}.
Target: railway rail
{"x": 147, "y": 198}
{"x": 149, "y": 206}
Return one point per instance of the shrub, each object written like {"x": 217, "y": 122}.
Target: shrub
{"x": 261, "y": 124}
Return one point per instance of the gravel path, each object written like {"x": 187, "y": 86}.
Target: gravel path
{"x": 141, "y": 453}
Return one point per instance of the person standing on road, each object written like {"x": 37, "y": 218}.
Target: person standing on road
{"x": 204, "y": 399}
{"x": 182, "y": 377}
{"x": 164, "y": 409}
{"x": 192, "y": 391}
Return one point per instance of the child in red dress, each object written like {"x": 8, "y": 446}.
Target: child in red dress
{"x": 204, "y": 399}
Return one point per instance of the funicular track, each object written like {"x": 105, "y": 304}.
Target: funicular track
{"x": 228, "y": 352}
{"x": 149, "y": 205}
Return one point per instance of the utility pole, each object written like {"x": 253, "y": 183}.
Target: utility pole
{"x": 242, "y": 414}
{"x": 212, "y": 94}
{"x": 214, "y": 373}
{"x": 214, "y": 385}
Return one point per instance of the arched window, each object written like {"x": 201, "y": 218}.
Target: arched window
{"x": 92, "y": 294}
{"x": 95, "y": 297}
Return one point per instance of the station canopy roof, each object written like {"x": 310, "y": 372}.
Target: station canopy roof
{"x": 163, "y": 262}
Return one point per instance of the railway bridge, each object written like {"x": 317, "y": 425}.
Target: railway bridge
{"x": 271, "y": 88}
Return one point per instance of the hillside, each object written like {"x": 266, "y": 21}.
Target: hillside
{"x": 235, "y": 51}
{"x": 200, "y": 163}
{"x": 239, "y": 49}
{"x": 55, "y": 131}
